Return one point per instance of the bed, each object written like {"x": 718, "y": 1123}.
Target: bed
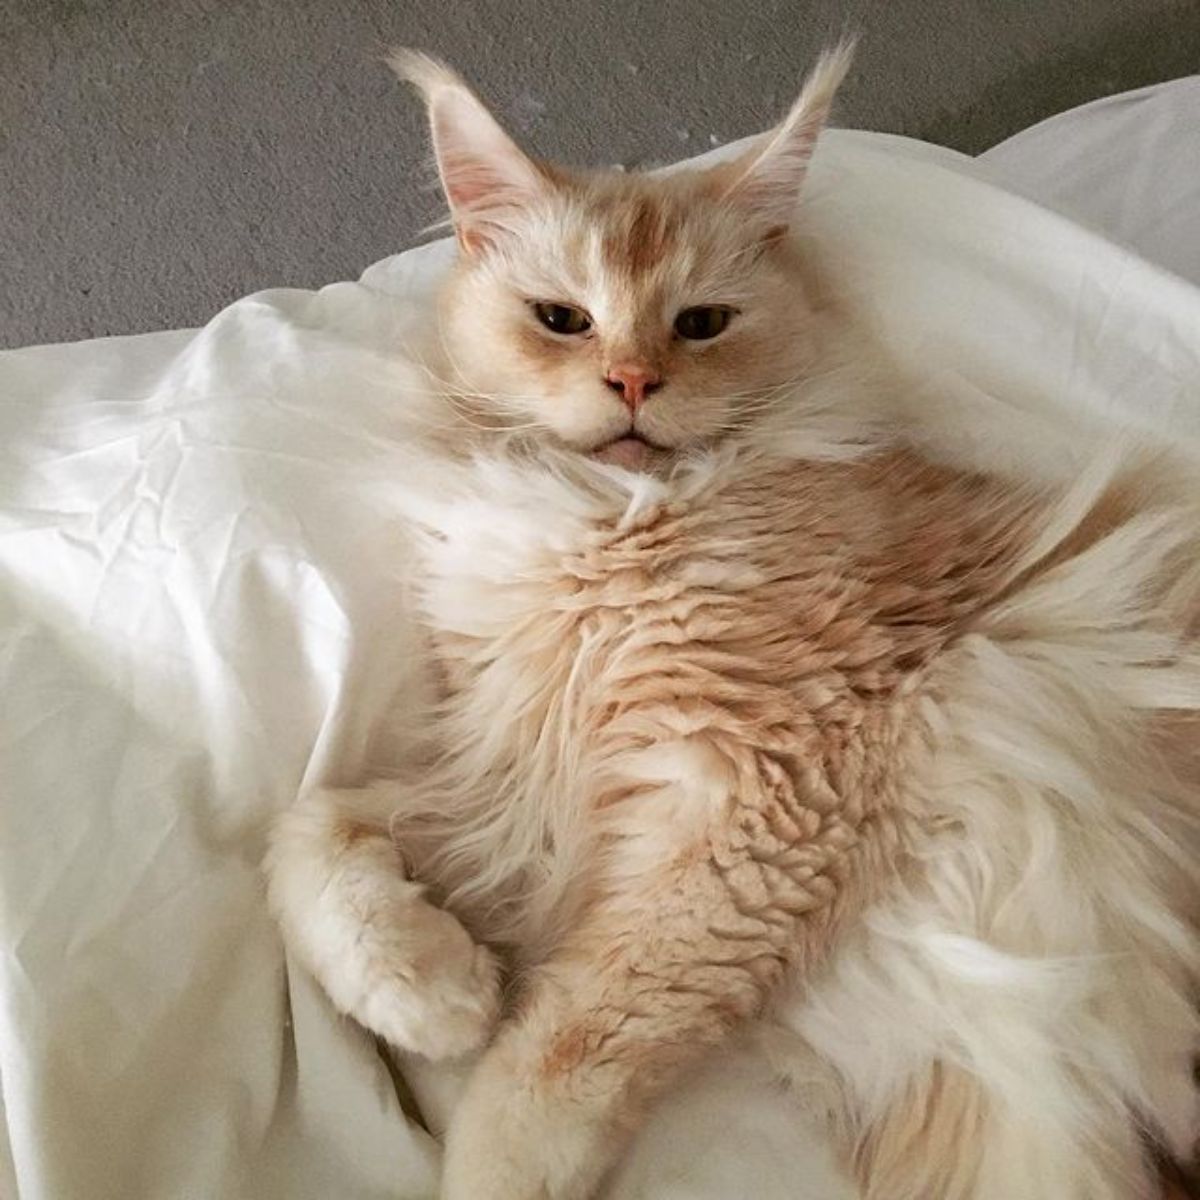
{"x": 200, "y": 616}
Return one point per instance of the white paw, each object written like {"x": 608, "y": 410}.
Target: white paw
{"x": 397, "y": 964}
{"x": 437, "y": 994}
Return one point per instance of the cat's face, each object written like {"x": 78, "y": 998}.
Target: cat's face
{"x": 626, "y": 316}
{"x": 628, "y": 308}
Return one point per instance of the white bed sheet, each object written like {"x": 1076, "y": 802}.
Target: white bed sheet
{"x": 199, "y": 614}
{"x": 1128, "y": 165}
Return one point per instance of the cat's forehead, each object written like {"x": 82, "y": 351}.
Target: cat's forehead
{"x": 635, "y": 229}
{"x": 639, "y": 224}
{"x": 641, "y": 235}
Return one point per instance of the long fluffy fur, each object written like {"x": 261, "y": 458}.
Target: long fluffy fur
{"x": 823, "y": 726}
{"x": 1018, "y": 1016}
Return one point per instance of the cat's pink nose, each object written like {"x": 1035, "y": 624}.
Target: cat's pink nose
{"x": 633, "y": 382}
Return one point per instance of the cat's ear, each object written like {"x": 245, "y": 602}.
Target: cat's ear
{"x": 486, "y": 176}
{"x": 767, "y": 179}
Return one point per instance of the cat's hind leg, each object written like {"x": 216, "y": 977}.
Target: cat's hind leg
{"x": 399, "y": 965}
{"x": 688, "y": 931}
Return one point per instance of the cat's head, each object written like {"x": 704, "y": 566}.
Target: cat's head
{"x": 621, "y": 314}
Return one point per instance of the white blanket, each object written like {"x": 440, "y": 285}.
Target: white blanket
{"x": 1128, "y": 165}
{"x": 198, "y": 613}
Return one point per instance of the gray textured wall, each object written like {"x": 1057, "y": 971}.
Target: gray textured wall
{"x": 159, "y": 158}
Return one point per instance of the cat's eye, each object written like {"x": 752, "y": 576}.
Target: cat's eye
{"x": 562, "y": 318}
{"x": 702, "y": 322}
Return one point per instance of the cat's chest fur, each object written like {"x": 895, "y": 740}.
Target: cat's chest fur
{"x": 787, "y": 586}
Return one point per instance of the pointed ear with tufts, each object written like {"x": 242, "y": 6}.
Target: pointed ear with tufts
{"x": 766, "y": 180}
{"x": 486, "y": 176}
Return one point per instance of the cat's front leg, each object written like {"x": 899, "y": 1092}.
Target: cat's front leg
{"x": 399, "y": 965}
{"x": 653, "y": 976}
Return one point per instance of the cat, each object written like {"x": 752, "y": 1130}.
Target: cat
{"x": 758, "y": 712}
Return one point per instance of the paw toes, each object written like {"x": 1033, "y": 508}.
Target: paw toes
{"x": 444, "y": 1006}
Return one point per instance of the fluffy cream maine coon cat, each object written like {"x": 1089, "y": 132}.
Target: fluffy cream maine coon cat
{"x": 753, "y": 710}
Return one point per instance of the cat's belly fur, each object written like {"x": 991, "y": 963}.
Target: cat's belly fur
{"x": 737, "y": 673}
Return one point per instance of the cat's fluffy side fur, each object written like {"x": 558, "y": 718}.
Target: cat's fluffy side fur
{"x": 799, "y": 724}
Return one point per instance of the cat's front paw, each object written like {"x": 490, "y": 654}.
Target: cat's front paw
{"x": 406, "y": 969}
{"x": 440, "y": 999}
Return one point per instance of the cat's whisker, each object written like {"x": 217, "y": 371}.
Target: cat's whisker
{"x": 459, "y": 396}
{"x": 462, "y": 389}
{"x": 738, "y": 397}
{"x": 459, "y": 391}
{"x": 446, "y": 353}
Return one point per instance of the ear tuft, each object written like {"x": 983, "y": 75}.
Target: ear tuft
{"x": 768, "y": 178}
{"x": 426, "y": 73}
{"x": 487, "y": 178}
